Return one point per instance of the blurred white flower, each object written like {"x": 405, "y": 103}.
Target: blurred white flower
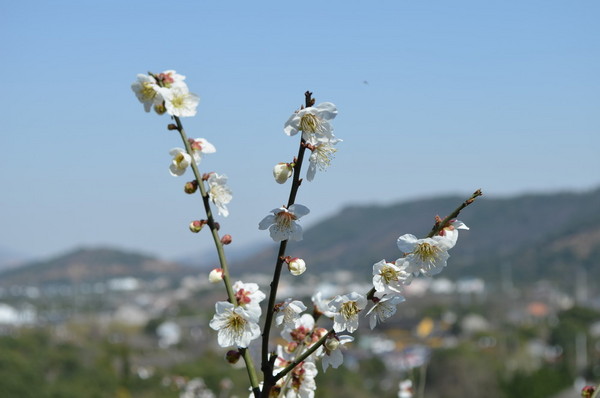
{"x": 219, "y": 193}
{"x": 384, "y": 308}
{"x": 146, "y": 90}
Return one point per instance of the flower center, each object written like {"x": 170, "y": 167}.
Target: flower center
{"x": 427, "y": 252}
{"x": 236, "y": 322}
{"x": 148, "y": 91}
{"x": 178, "y": 101}
{"x": 309, "y": 123}
{"x": 285, "y": 219}
{"x": 349, "y": 309}
{"x": 388, "y": 274}
{"x": 180, "y": 160}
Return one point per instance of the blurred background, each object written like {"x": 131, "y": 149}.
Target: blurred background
{"x": 435, "y": 100}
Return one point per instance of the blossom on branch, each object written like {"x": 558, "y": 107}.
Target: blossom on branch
{"x": 181, "y": 161}
{"x": 450, "y": 231}
{"x": 384, "y": 308}
{"x": 219, "y": 193}
{"x": 236, "y": 325}
{"x": 312, "y": 121}
{"x": 332, "y": 354}
{"x": 282, "y": 223}
{"x": 249, "y": 296}
{"x": 179, "y": 101}
{"x": 147, "y": 92}
{"x": 427, "y": 256}
{"x": 391, "y": 276}
{"x": 346, "y": 309}
{"x": 200, "y": 146}
{"x": 288, "y": 313}
{"x": 322, "y": 153}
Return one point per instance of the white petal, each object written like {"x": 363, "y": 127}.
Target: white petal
{"x": 266, "y": 222}
{"x": 299, "y": 210}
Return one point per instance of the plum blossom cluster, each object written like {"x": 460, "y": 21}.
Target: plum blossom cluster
{"x": 307, "y": 336}
{"x": 165, "y": 92}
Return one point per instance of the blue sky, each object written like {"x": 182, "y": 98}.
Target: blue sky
{"x": 434, "y": 98}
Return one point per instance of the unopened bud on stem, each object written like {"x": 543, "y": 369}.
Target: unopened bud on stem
{"x": 296, "y": 265}
{"x": 282, "y": 171}
{"x": 233, "y": 356}
{"x": 216, "y": 275}
{"x": 226, "y": 239}
{"x": 190, "y": 187}
{"x": 196, "y": 226}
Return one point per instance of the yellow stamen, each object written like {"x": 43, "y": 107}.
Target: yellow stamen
{"x": 427, "y": 252}
{"x": 349, "y": 309}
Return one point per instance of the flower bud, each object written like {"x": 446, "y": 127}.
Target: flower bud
{"x": 216, "y": 275}
{"x": 226, "y": 239}
{"x": 588, "y": 391}
{"x": 282, "y": 171}
{"x": 332, "y": 344}
{"x": 233, "y": 356}
{"x": 196, "y": 226}
{"x": 297, "y": 266}
{"x": 160, "y": 109}
{"x": 171, "y": 126}
{"x": 190, "y": 187}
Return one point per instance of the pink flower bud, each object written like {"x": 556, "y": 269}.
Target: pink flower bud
{"x": 216, "y": 275}
{"x": 297, "y": 266}
{"x": 196, "y": 226}
{"x": 226, "y": 239}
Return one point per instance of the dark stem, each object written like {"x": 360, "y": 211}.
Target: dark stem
{"x": 267, "y": 366}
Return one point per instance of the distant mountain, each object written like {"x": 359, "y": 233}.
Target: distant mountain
{"x": 536, "y": 235}
{"x": 89, "y": 265}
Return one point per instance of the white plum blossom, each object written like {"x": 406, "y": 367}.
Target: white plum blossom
{"x": 146, "y": 90}
{"x": 302, "y": 384}
{"x": 248, "y": 296}
{"x": 346, "y": 309}
{"x": 332, "y": 354}
{"x": 236, "y": 325}
{"x": 450, "y": 231}
{"x": 219, "y": 193}
{"x": 282, "y": 223}
{"x": 301, "y": 332}
{"x": 322, "y": 153}
{"x": 282, "y": 172}
{"x": 391, "y": 276}
{"x": 384, "y": 308}
{"x": 321, "y": 305}
{"x": 200, "y": 146}
{"x": 312, "y": 121}
{"x": 179, "y": 101}
{"x": 288, "y": 313}
{"x": 180, "y": 162}
{"x": 427, "y": 256}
